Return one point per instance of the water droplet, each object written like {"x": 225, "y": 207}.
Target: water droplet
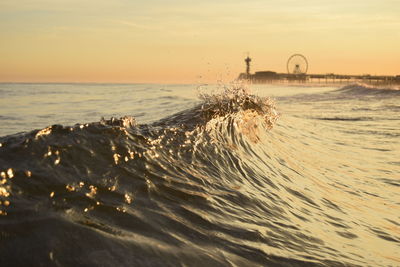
{"x": 10, "y": 173}
{"x": 116, "y": 158}
{"x": 93, "y": 191}
{"x": 120, "y": 209}
{"x": 70, "y": 188}
{"x": 3, "y": 192}
{"x": 128, "y": 199}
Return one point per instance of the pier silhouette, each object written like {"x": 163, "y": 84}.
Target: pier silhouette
{"x": 297, "y": 67}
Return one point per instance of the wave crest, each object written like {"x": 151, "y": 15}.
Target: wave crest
{"x": 237, "y": 99}
{"x": 361, "y": 89}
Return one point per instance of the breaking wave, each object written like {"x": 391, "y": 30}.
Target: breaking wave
{"x": 212, "y": 185}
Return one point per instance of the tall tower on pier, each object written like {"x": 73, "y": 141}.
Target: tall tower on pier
{"x": 247, "y": 60}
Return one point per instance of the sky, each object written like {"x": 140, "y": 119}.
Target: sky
{"x": 176, "y": 41}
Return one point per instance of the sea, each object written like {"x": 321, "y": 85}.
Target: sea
{"x": 199, "y": 175}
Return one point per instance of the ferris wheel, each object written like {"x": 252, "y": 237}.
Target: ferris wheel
{"x": 297, "y": 64}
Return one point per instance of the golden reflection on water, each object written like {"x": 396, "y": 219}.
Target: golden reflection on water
{"x": 351, "y": 176}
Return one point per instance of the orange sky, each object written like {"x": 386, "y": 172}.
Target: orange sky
{"x": 176, "y": 41}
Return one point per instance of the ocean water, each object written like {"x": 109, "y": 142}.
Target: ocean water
{"x": 188, "y": 175}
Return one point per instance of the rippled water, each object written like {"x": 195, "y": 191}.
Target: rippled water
{"x": 229, "y": 178}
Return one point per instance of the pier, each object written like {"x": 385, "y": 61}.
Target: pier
{"x": 297, "y": 66}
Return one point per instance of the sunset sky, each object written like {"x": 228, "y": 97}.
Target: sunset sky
{"x": 177, "y": 41}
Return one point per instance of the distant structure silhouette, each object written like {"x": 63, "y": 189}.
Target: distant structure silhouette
{"x": 297, "y": 67}
{"x": 248, "y": 60}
